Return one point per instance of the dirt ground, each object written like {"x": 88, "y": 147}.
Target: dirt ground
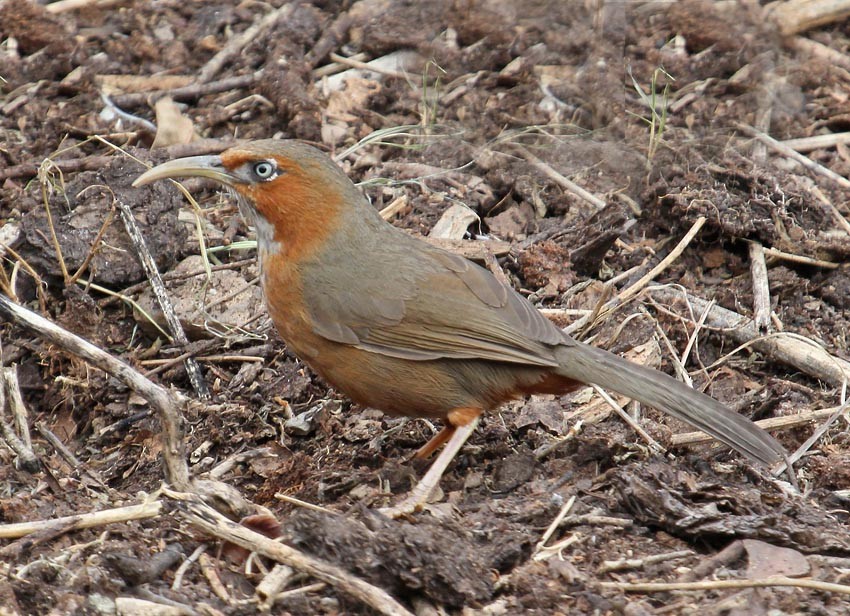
{"x": 495, "y": 105}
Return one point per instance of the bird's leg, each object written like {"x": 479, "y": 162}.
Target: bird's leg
{"x": 419, "y": 495}
{"x": 431, "y": 446}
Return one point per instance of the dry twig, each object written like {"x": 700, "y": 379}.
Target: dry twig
{"x": 787, "y": 256}
{"x": 761, "y": 287}
{"x": 167, "y": 404}
{"x": 93, "y": 163}
{"x": 562, "y": 181}
{"x": 724, "y": 557}
{"x": 795, "y": 16}
{"x": 193, "y": 369}
{"x": 373, "y": 67}
{"x": 83, "y": 520}
{"x": 187, "y": 93}
{"x": 807, "y": 162}
{"x": 63, "y": 6}
{"x": 779, "y": 580}
{"x": 630, "y": 292}
{"x": 636, "y": 563}
{"x": 236, "y": 43}
{"x": 774, "y": 423}
{"x": 817, "y": 142}
{"x": 820, "y": 51}
{"x": 209, "y": 520}
{"x": 272, "y": 584}
{"x": 331, "y": 38}
{"x": 792, "y": 349}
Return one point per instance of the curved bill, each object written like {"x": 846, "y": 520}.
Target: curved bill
{"x": 192, "y": 166}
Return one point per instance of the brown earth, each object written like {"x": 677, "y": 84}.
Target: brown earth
{"x": 487, "y": 82}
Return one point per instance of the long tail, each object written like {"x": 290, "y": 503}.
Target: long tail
{"x": 588, "y": 364}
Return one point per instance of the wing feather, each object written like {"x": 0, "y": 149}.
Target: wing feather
{"x": 423, "y": 303}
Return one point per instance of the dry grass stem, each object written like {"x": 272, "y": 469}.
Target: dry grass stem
{"x": 184, "y": 566}
{"x": 678, "y": 364}
{"x": 565, "y": 509}
{"x": 304, "y": 504}
{"x": 654, "y": 445}
{"x": 126, "y": 299}
{"x": 299, "y": 591}
{"x": 203, "y": 358}
{"x": 693, "y": 339}
{"x": 630, "y": 292}
{"x": 666, "y": 262}
{"x": 817, "y": 434}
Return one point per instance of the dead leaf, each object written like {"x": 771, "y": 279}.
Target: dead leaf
{"x": 400, "y": 61}
{"x": 356, "y": 95}
{"x": 454, "y": 222}
{"x": 172, "y": 127}
{"x": 547, "y": 413}
{"x": 513, "y": 223}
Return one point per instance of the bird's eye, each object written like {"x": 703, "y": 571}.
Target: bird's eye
{"x": 264, "y": 169}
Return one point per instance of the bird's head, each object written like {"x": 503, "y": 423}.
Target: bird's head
{"x": 293, "y": 194}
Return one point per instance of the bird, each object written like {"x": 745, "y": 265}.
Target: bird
{"x": 408, "y": 328}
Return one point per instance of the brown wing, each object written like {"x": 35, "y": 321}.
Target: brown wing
{"x": 423, "y": 303}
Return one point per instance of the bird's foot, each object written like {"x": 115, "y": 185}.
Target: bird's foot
{"x": 413, "y": 503}
{"x": 420, "y": 494}
{"x": 403, "y": 509}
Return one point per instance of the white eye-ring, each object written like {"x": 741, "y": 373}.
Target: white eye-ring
{"x": 264, "y": 169}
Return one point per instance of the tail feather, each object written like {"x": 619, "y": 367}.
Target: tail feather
{"x": 591, "y": 365}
